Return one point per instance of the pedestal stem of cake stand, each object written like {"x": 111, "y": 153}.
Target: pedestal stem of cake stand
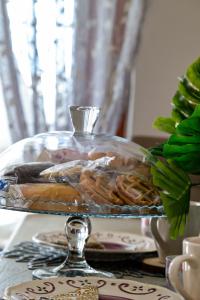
{"x": 77, "y": 231}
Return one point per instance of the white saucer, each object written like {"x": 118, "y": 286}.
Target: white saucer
{"x": 109, "y": 289}
{"x": 113, "y": 242}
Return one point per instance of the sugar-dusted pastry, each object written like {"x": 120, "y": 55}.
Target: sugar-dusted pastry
{"x": 66, "y": 169}
{"x": 69, "y": 172}
{"x": 73, "y": 169}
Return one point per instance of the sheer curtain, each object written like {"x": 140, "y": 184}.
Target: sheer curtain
{"x": 58, "y": 53}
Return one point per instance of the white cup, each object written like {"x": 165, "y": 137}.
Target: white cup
{"x": 160, "y": 231}
{"x": 190, "y": 261}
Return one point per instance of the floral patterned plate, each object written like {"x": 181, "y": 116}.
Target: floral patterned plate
{"x": 109, "y": 289}
{"x": 112, "y": 242}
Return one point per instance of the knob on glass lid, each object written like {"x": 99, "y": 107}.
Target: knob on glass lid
{"x": 84, "y": 118}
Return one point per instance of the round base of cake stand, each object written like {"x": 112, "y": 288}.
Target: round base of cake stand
{"x": 69, "y": 271}
{"x": 77, "y": 231}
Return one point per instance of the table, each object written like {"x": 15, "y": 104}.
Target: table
{"x": 12, "y": 272}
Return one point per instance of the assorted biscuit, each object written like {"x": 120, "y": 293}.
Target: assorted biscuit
{"x": 105, "y": 178}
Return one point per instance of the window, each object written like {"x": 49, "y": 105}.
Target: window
{"x": 52, "y": 36}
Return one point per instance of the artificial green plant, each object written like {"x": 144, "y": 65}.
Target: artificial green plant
{"x": 180, "y": 152}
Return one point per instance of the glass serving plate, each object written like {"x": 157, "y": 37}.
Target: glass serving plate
{"x": 77, "y": 174}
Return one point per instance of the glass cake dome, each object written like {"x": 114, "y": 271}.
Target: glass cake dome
{"x": 78, "y": 172}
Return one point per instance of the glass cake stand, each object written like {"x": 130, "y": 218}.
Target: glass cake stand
{"x": 78, "y": 225}
{"x": 77, "y": 229}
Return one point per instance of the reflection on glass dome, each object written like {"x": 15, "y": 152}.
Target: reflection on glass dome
{"x": 78, "y": 172}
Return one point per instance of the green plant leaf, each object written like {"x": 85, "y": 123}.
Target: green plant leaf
{"x": 183, "y": 147}
{"x": 176, "y": 139}
{"x": 189, "y": 162}
{"x": 193, "y": 74}
{"x": 170, "y": 151}
{"x": 174, "y": 186}
{"x": 157, "y": 150}
{"x": 184, "y": 90}
{"x": 182, "y": 104}
{"x": 177, "y": 116}
{"x": 193, "y": 91}
{"x": 190, "y": 126}
{"x": 165, "y": 124}
{"x": 186, "y": 98}
{"x": 196, "y": 112}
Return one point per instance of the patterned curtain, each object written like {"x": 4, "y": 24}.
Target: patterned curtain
{"x": 58, "y": 53}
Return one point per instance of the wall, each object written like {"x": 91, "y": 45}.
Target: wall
{"x": 170, "y": 42}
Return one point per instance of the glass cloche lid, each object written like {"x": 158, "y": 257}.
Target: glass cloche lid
{"x": 77, "y": 172}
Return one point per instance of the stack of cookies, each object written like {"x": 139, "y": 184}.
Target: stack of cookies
{"x": 102, "y": 178}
